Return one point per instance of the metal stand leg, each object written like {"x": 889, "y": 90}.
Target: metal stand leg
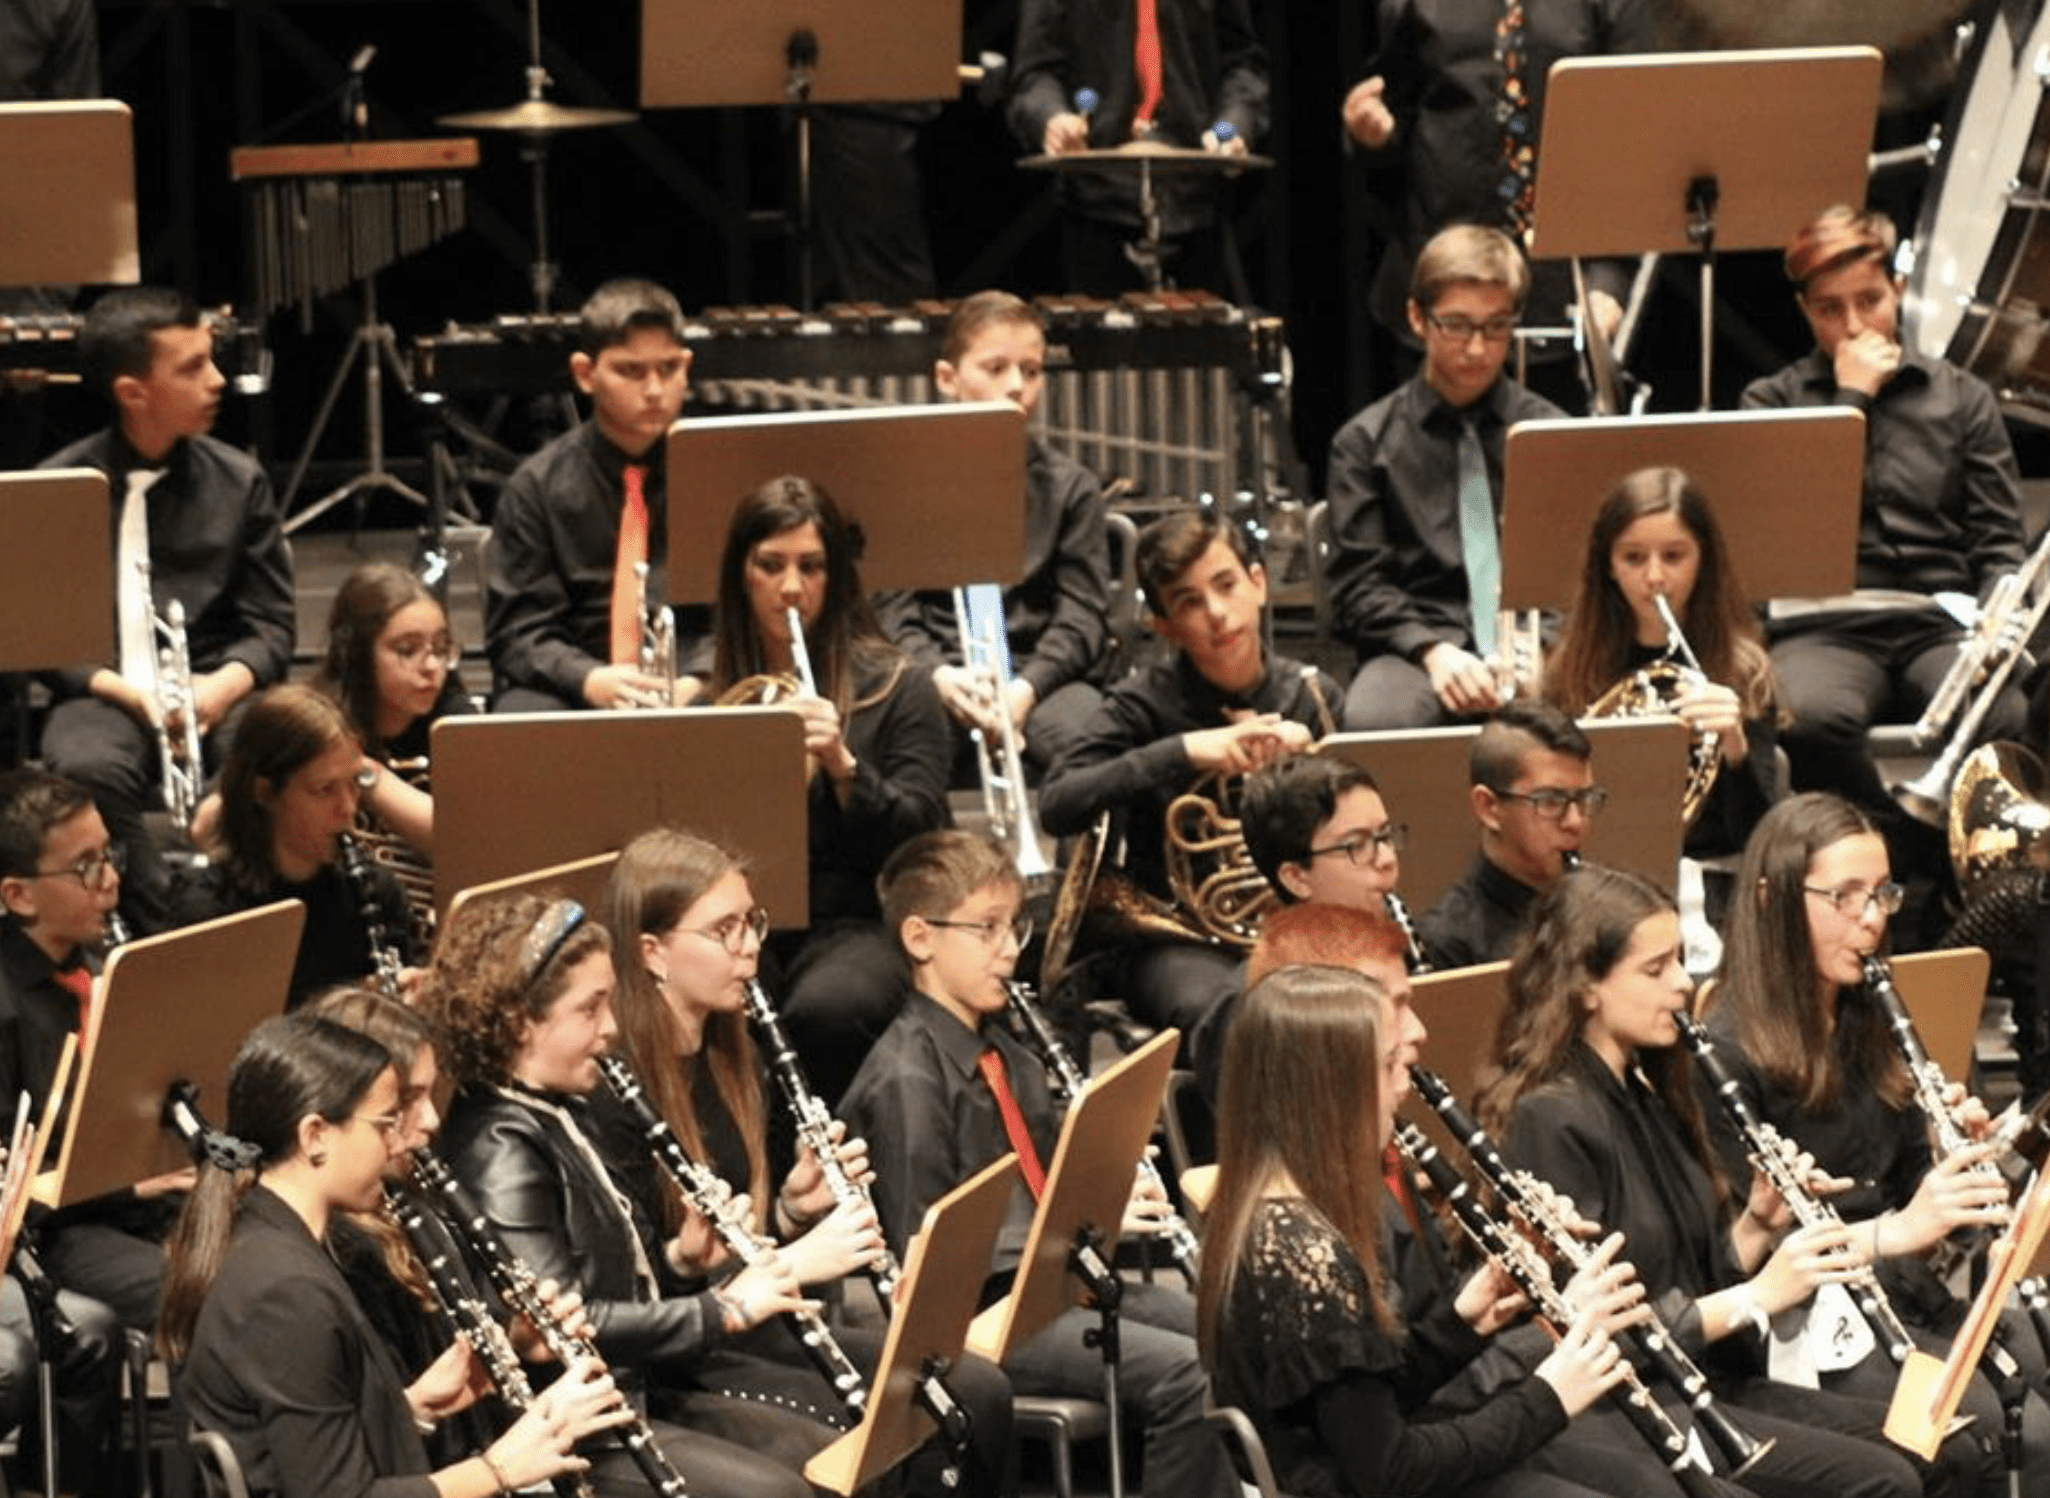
{"x": 1107, "y": 1290}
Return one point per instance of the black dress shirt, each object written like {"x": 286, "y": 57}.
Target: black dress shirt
{"x": 49, "y": 49}
{"x": 1212, "y": 68}
{"x": 931, "y": 1121}
{"x": 37, "y": 1015}
{"x": 1131, "y": 758}
{"x": 1478, "y": 919}
{"x": 1942, "y": 506}
{"x": 216, "y": 544}
{"x": 1055, "y": 617}
{"x": 1397, "y": 569}
{"x": 334, "y": 946}
{"x": 286, "y": 1366}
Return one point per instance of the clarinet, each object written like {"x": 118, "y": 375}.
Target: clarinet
{"x": 814, "y": 1121}
{"x": 1651, "y": 1343}
{"x": 711, "y": 1198}
{"x": 1520, "y": 1259}
{"x": 470, "y": 1320}
{"x": 384, "y": 957}
{"x": 1414, "y": 957}
{"x": 1068, "y": 1082}
{"x": 521, "y": 1290}
{"x": 1930, "y": 1086}
{"x": 1766, "y": 1148}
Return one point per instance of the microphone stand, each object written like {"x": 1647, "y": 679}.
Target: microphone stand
{"x": 1100, "y": 1279}
{"x": 51, "y": 1328}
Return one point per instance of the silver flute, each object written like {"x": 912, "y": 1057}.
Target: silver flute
{"x": 470, "y": 1318}
{"x": 711, "y": 1198}
{"x": 520, "y": 1288}
{"x": 1068, "y": 1082}
{"x": 814, "y": 1123}
{"x": 385, "y": 962}
{"x": 1767, "y": 1150}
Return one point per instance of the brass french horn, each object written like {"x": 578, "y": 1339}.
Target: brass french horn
{"x": 1655, "y": 690}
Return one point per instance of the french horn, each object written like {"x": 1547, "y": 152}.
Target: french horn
{"x": 1655, "y": 690}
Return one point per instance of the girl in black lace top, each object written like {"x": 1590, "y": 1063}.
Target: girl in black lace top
{"x": 1295, "y": 1320}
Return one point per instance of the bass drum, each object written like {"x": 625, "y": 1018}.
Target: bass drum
{"x": 1979, "y": 289}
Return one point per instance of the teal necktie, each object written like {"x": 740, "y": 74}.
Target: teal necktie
{"x": 1478, "y": 544}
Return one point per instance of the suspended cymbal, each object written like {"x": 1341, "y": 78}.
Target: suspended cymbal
{"x": 1150, "y": 153}
{"x": 539, "y": 117}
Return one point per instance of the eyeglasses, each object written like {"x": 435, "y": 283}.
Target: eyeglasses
{"x": 1552, "y": 804}
{"x": 94, "y": 871}
{"x": 1367, "y": 847}
{"x": 731, "y": 933}
{"x": 1852, "y": 900}
{"x": 991, "y": 933}
{"x": 386, "y": 1124}
{"x": 439, "y": 651}
{"x": 1461, "y": 329}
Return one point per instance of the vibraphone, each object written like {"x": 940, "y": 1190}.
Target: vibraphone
{"x": 1178, "y": 393}
{"x": 47, "y": 345}
{"x": 324, "y": 217}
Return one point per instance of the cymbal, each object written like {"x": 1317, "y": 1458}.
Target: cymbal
{"x": 539, "y": 117}
{"x": 1149, "y": 153}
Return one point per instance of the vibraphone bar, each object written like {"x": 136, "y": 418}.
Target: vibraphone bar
{"x": 1169, "y": 391}
{"x": 47, "y": 345}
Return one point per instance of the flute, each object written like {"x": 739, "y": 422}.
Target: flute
{"x": 711, "y": 1198}
{"x": 1766, "y": 1148}
{"x": 1068, "y": 1082}
{"x": 814, "y": 1122}
{"x": 521, "y": 1290}
{"x": 470, "y": 1320}
{"x": 1650, "y": 1343}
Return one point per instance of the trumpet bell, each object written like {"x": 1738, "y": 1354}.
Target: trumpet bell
{"x": 1999, "y": 815}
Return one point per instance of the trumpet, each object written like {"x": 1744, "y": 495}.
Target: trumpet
{"x": 1767, "y": 1150}
{"x": 1650, "y": 1344}
{"x": 814, "y": 1123}
{"x": 1067, "y": 1081}
{"x": 1520, "y": 1259}
{"x": 1000, "y": 766}
{"x": 470, "y": 1319}
{"x": 521, "y": 1291}
{"x": 656, "y": 656}
{"x": 183, "y": 771}
{"x": 712, "y": 1199}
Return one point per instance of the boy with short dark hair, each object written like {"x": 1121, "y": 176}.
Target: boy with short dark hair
{"x": 927, "y": 1101}
{"x": 1533, "y": 793}
{"x": 1416, "y": 495}
{"x": 1217, "y": 704}
{"x": 202, "y": 514}
{"x": 561, "y": 616}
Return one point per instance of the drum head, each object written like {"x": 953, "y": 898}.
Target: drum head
{"x": 1981, "y": 205}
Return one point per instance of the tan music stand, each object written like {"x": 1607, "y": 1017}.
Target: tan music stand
{"x": 168, "y": 1009}
{"x": 1700, "y": 151}
{"x": 1786, "y": 487}
{"x": 937, "y": 491}
{"x": 1423, "y": 778}
{"x": 522, "y": 791}
{"x": 709, "y": 53}
{"x": 56, "y": 569}
{"x": 1944, "y": 992}
{"x": 943, "y": 1273}
{"x": 1462, "y": 1010}
{"x": 68, "y": 215}
{"x": 1087, "y": 1185}
{"x": 582, "y": 881}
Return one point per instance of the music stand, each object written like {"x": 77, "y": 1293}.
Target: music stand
{"x": 795, "y": 53}
{"x": 582, "y": 880}
{"x": 56, "y": 569}
{"x": 937, "y": 492}
{"x": 1073, "y": 1241}
{"x": 1700, "y": 152}
{"x": 943, "y": 1273}
{"x": 1944, "y": 992}
{"x": 1423, "y": 778}
{"x": 1787, "y": 487}
{"x": 216, "y": 981}
{"x": 1462, "y": 1010}
{"x": 526, "y": 790}
{"x": 68, "y": 215}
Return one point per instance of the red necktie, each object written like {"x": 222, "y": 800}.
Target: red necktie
{"x": 991, "y": 1065}
{"x": 1395, "y": 1175}
{"x": 80, "y": 983}
{"x": 626, "y": 590}
{"x": 1146, "y": 61}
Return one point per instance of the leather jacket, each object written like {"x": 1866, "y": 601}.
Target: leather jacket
{"x": 546, "y": 1199}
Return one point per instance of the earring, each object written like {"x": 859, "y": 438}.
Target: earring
{"x": 317, "y": 1159}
